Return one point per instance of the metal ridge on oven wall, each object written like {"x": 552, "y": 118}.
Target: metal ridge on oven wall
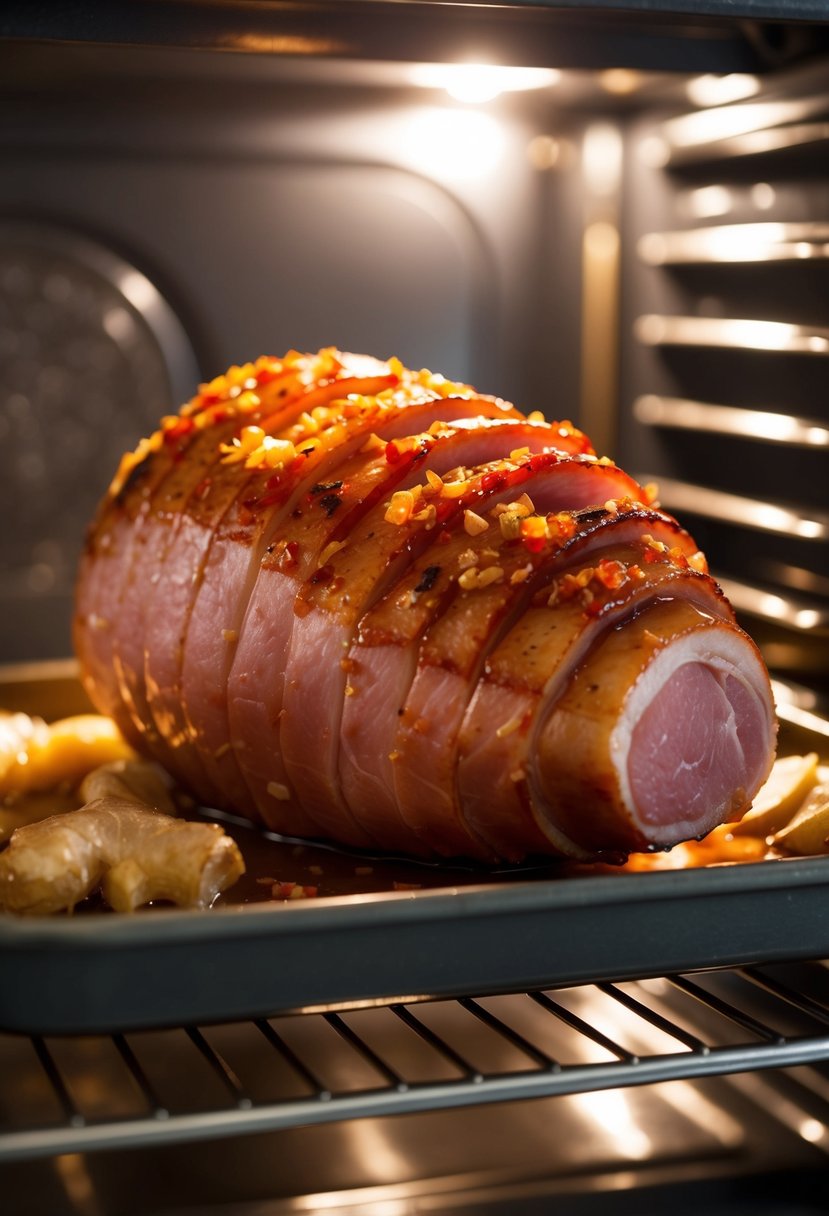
{"x": 696, "y": 35}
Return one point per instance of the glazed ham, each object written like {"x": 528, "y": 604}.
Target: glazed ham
{"x": 358, "y": 603}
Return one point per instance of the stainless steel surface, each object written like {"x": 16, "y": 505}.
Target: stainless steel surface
{"x": 800, "y": 706}
{"x": 793, "y": 116}
{"x": 681, "y": 497}
{"x": 91, "y": 354}
{"x": 733, "y": 333}
{"x": 726, "y": 383}
{"x": 79, "y": 1095}
{"x": 690, "y": 35}
{"x": 806, "y": 617}
{"x": 725, "y": 243}
{"x": 82, "y": 280}
{"x": 739, "y": 1146}
{"x": 763, "y": 426}
{"x": 753, "y": 143}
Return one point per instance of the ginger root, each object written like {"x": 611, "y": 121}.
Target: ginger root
{"x": 134, "y": 780}
{"x": 136, "y": 853}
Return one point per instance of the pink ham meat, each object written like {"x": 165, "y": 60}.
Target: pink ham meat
{"x": 365, "y": 604}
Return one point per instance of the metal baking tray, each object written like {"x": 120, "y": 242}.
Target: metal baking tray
{"x": 385, "y": 929}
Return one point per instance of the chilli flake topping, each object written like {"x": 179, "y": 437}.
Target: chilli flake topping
{"x": 657, "y": 550}
{"x": 536, "y": 530}
{"x": 592, "y": 584}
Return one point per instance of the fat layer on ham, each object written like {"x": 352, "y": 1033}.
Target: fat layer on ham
{"x": 360, "y": 603}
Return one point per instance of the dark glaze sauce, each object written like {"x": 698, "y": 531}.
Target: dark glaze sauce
{"x": 276, "y": 866}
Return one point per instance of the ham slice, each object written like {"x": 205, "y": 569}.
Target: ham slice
{"x": 365, "y": 604}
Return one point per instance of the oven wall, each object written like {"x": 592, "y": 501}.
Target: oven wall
{"x": 163, "y": 215}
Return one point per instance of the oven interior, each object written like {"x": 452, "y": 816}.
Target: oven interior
{"x": 630, "y": 232}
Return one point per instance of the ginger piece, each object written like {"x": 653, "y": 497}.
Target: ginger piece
{"x": 807, "y": 832}
{"x": 36, "y": 756}
{"x": 131, "y": 781}
{"x": 790, "y": 780}
{"x": 137, "y": 853}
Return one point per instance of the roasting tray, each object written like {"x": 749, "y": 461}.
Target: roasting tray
{"x": 382, "y": 929}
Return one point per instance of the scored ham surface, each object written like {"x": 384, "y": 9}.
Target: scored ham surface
{"x": 360, "y": 603}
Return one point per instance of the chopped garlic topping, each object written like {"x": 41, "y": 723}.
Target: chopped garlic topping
{"x": 473, "y": 524}
{"x": 652, "y": 543}
{"x": 474, "y": 579}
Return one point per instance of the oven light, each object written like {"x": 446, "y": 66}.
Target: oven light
{"x": 479, "y": 82}
{"x": 455, "y": 145}
{"x": 719, "y": 90}
{"x": 812, "y": 1130}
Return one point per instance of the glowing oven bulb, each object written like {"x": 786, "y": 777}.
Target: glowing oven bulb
{"x": 475, "y": 83}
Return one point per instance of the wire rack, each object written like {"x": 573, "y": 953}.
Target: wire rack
{"x": 67, "y": 1095}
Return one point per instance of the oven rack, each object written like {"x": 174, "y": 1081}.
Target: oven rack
{"x": 329, "y": 1065}
{"x": 726, "y": 304}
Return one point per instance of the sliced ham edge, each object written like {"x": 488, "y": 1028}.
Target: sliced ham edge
{"x": 708, "y": 681}
{"x": 652, "y": 767}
